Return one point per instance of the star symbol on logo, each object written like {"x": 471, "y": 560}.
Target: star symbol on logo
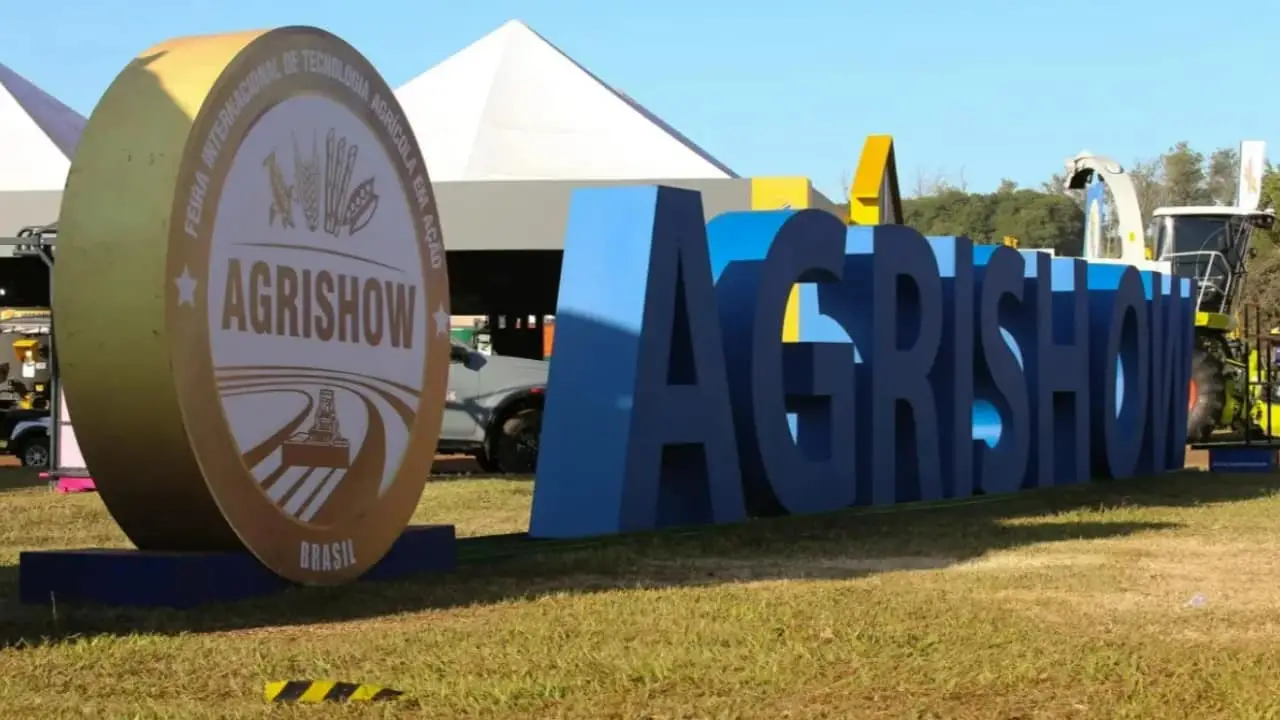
{"x": 186, "y": 287}
{"x": 441, "y": 318}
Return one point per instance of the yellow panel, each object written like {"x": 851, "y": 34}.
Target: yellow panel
{"x": 776, "y": 193}
{"x": 865, "y": 196}
{"x": 1215, "y": 321}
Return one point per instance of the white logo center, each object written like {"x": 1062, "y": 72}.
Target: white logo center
{"x": 317, "y": 304}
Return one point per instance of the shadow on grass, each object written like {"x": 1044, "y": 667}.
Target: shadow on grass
{"x": 21, "y": 478}
{"x": 841, "y": 545}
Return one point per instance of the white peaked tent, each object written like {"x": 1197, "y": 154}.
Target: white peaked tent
{"x": 38, "y": 136}
{"x": 512, "y": 106}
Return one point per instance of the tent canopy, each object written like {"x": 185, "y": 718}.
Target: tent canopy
{"x": 512, "y": 106}
{"x": 38, "y": 136}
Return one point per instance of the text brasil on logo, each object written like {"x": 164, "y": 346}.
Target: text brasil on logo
{"x": 927, "y": 368}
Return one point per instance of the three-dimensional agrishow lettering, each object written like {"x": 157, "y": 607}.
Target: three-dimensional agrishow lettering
{"x": 926, "y": 368}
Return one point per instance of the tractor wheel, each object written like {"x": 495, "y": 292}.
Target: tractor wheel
{"x": 1206, "y": 397}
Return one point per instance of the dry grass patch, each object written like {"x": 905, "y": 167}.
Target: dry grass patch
{"x": 1148, "y": 599}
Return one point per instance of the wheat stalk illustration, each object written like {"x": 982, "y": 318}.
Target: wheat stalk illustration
{"x": 348, "y": 167}
{"x": 340, "y": 162}
{"x": 331, "y": 199}
{"x": 306, "y": 176}
{"x": 281, "y": 193}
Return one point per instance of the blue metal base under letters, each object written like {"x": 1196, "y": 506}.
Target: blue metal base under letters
{"x": 132, "y": 578}
{"x": 1242, "y": 459}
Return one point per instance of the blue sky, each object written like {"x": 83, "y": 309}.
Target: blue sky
{"x": 987, "y": 88}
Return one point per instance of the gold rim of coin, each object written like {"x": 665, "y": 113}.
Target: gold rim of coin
{"x": 166, "y": 458}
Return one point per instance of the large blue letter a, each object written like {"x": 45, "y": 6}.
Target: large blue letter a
{"x": 637, "y": 432}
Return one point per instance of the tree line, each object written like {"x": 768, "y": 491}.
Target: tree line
{"x": 1050, "y": 217}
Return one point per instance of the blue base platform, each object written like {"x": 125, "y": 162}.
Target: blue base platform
{"x": 132, "y": 578}
{"x": 1242, "y": 459}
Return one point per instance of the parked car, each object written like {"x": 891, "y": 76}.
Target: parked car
{"x": 493, "y": 409}
{"x": 25, "y": 434}
{"x": 493, "y": 412}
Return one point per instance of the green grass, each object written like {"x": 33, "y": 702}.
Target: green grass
{"x": 1147, "y": 599}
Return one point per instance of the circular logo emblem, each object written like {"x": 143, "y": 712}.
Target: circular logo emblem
{"x": 305, "y": 306}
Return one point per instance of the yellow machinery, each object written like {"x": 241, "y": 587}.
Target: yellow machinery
{"x": 33, "y": 357}
{"x": 26, "y": 378}
{"x": 1210, "y": 244}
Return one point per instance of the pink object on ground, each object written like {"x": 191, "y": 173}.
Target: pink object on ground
{"x": 67, "y": 485}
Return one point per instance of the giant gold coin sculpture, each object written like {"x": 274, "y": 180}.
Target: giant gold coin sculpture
{"x": 251, "y": 303}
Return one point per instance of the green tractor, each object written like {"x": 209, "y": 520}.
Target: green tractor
{"x": 1212, "y": 245}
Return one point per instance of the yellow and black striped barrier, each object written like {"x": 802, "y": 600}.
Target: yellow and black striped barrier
{"x": 318, "y": 691}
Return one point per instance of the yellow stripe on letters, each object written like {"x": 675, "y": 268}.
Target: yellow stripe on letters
{"x": 778, "y": 193}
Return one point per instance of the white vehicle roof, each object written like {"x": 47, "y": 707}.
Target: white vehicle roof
{"x": 1212, "y": 210}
